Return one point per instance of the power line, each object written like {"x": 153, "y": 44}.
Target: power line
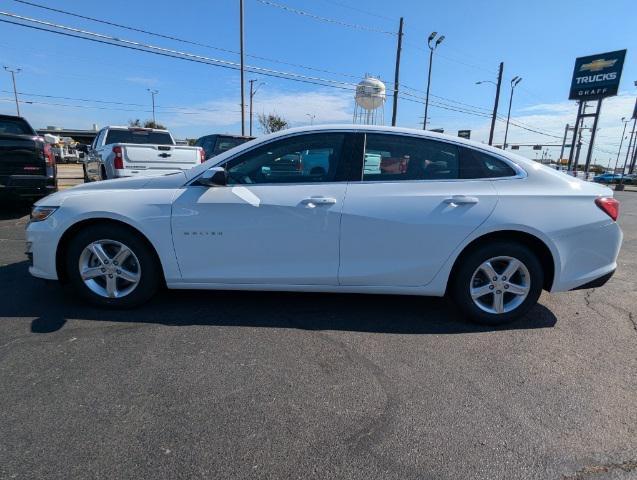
{"x": 94, "y": 107}
{"x": 356, "y": 9}
{"x": 132, "y": 45}
{"x": 170, "y": 37}
{"x": 303, "y": 13}
{"x": 182, "y": 40}
{"x": 109, "y": 102}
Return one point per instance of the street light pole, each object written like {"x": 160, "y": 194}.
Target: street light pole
{"x": 15, "y": 90}
{"x": 312, "y": 117}
{"x": 152, "y": 96}
{"x": 432, "y": 36}
{"x": 514, "y": 82}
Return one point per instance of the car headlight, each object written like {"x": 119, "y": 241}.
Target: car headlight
{"x": 39, "y": 214}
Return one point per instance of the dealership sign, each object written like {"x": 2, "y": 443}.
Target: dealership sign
{"x": 464, "y": 133}
{"x": 597, "y": 76}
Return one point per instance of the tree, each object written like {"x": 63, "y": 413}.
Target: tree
{"x": 153, "y": 124}
{"x": 147, "y": 124}
{"x": 272, "y": 122}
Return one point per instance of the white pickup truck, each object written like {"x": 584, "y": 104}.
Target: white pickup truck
{"x": 133, "y": 151}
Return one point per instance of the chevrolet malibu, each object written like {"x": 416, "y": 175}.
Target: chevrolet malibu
{"x": 336, "y": 209}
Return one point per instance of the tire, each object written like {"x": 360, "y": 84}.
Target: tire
{"x": 103, "y": 173}
{"x": 86, "y": 179}
{"x": 472, "y": 273}
{"x": 133, "y": 280}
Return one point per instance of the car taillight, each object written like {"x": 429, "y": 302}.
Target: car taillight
{"x": 118, "y": 162}
{"x": 202, "y": 155}
{"x": 609, "y": 205}
{"x": 49, "y": 158}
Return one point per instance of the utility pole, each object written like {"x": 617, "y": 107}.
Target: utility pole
{"x": 578, "y": 150}
{"x": 432, "y": 36}
{"x": 253, "y": 92}
{"x": 563, "y": 143}
{"x": 15, "y": 90}
{"x": 495, "y": 105}
{"x": 630, "y": 144}
{"x": 152, "y": 96}
{"x": 243, "y": 102}
{"x": 621, "y": 142}
{"x": 514, "y": 82}
{"x": 620, "y": 185}
{"x": 397, "y": 73}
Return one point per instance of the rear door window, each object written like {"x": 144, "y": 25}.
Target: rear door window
{"x": 391, "y": 157}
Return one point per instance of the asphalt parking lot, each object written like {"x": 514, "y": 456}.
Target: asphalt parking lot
{"x": 274, "y": 385}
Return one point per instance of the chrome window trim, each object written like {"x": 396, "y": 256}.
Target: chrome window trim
{"x": 520, "y": 172}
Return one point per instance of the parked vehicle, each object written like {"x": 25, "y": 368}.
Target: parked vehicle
{"x": 134, "y": 151}
{"x": 215, "y": 144}
{"x": 431, "y": 215}
{"x": 630, "y": 179}
{"x": 27, "y": 165}
{"x": 607, "y": 178}
{"x": 64, "y": 148}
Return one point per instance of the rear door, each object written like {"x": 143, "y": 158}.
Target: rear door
{"x": 409, "y": 211}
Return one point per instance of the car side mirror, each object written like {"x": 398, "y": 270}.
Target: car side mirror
{"x": 214, "y": 177}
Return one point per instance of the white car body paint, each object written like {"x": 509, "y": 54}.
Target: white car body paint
{"x": 389, "y": 237}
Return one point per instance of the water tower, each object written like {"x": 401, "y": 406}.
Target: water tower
{"x": 370, "y": 102}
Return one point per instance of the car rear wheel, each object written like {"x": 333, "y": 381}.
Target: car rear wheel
{"x": 497, "y": 283}
{"x": 111, "y": 266}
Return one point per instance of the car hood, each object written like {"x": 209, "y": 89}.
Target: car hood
{"x": 171, "y": 181}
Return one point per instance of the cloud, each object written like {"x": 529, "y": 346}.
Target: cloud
{"x": 327, "y": 107}
{"x": 552, "y": 118}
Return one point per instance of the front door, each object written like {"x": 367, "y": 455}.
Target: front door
{"x": 277, "y": 221}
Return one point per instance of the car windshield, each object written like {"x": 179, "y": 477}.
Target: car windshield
{"x": 138, "y": 136}
{"x": 15, "y": 126}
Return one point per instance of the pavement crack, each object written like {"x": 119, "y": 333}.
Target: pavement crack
{"x": 593, "y": 470}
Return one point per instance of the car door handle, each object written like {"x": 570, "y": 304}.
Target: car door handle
{"x": 318, "y": 201}
{"x": 461, "y": 200}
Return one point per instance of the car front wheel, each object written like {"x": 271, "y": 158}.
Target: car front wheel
{"x": 112, "y": 266}
{"x": 497, "y": 283}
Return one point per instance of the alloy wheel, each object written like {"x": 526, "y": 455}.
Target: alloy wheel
{"x": 109, "y": 268}
{"x": 500, "y": 285}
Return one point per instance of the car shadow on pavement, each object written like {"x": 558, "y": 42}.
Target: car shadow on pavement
{"x": 52, "y": 305}
{"x": 11, "y": 209}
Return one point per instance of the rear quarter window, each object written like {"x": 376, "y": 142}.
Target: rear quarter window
{"x": 476, "y": 164}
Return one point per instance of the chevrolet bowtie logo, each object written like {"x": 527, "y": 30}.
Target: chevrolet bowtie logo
{"x": 597, "y": 65}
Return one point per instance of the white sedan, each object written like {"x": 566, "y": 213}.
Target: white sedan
{"x": 336, "y": 209}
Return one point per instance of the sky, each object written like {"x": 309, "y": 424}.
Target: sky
{"x": 75, "y": 83}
